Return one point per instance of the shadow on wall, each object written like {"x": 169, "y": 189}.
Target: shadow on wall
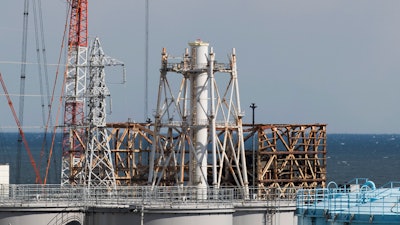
{"x": 74, "y": 223}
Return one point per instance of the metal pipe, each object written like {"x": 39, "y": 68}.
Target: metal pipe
{"x": 142, "y": 215}
{"x": 212, "y": 117}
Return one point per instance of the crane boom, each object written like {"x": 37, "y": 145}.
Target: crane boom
{"x": 75, "y": 88}
{"x": 22, "y": 86}
{"x": 21, "y": 132}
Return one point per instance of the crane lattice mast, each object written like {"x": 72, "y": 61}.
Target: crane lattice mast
{"x": 75, "y": 84}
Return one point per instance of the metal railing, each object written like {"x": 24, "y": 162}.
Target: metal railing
{"x": 382, "y": 201}
{"x": 50, "y": 195}
{"x": 219, "y": 123}
{"x": 202, "y": 66}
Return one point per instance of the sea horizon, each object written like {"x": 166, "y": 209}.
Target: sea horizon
{"x": 349, "y": 156}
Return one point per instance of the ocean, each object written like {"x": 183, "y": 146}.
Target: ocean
{"x": 9, "y": 155}
{"x": 373, "y": 156}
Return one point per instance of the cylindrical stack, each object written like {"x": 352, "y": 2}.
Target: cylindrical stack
{"x": 199, "y": 109}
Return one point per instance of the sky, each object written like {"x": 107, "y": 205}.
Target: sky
{"x": 334, "y": 62}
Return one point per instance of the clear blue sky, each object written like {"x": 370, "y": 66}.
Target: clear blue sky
{"x": 309, "y": 61}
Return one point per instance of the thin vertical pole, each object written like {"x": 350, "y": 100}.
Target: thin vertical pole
{"x": 146, "y": 85}
{"x": 253, "y": 107}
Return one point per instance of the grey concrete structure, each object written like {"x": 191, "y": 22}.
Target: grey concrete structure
{"x": 161, "y": 216}
{"x": 60, "y": 205}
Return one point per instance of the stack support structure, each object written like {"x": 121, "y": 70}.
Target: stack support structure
{"x": 198, "y": 134}
{"x": 73, "y": 146}
{"x": 99, "y": 168}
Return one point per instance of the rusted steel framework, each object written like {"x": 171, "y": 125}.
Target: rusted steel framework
{"x": 290, "y": 156}
{"x": 287, "y": 155}
{"x": 130, "y": 145}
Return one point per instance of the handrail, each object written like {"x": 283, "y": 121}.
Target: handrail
{"x": 380, "y": 201}
{"x": 26, "y": 195}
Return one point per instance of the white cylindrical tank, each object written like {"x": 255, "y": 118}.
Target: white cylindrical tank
{"x": 265, "y": 215}
{"x": 41, "y": 215}
{"x": 199, "y": 109}
{"x": 182, "y": 216}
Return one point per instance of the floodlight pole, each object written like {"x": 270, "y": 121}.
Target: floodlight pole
{"x": 253, "y": 107}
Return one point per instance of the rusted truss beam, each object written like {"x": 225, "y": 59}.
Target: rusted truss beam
{"x": 289, "y": 155}
{"x": 130, "y": 145}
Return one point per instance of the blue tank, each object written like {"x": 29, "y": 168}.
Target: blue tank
{"x": 357, "y": 202}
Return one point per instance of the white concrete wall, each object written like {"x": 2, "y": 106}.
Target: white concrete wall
{"x": 4, "y": 174}
{"x": 4, "y": 181}
{"x": 284, "y": 218}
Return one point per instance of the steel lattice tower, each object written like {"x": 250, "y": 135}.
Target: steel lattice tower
{"x": 99, "y": 169}
{"x": 198, "y": 123}
{"x": 75, "y": 86}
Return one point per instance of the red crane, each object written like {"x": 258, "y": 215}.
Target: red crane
{"x": 21, "y": 132}
{"x": 75, "y": 87}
